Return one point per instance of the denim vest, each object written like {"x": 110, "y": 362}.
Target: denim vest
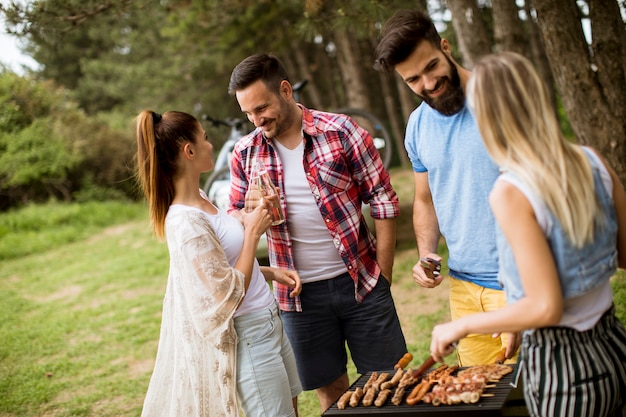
{"x": 579, "y": 269}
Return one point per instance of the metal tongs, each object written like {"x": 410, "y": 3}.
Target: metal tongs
{"x": 425, "y": 366}
{"x": 430, "y": 362}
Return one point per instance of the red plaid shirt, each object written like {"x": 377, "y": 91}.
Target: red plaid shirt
{"x": 344, "y": 170}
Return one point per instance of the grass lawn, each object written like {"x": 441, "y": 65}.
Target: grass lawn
{"x": 81, "y": 307}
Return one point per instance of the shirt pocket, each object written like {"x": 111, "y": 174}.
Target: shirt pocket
{"x": 335, "y": 176}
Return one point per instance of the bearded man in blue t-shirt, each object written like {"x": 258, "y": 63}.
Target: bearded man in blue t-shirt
{"x": 453, "y": 175}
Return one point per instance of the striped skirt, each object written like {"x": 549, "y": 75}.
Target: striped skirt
{"x": 572, "y": 373}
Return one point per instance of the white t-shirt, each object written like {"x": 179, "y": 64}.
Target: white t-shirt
{"x": 314, "y": 252}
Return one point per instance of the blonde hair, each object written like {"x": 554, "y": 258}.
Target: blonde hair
{"x": 159, "y": 141}
{"x": 522, "y": 134}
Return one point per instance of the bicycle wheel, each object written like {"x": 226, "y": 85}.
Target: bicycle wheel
{"x": 376, "y": 128}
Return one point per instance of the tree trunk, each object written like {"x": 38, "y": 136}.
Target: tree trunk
{"x": 392, "y": 105}
{"x": 397, "y": 125}
{"x": 326, "y": 77}
{"x": 538, "y": 54}
{"x": 351, "y": 71}
{"x": 471, "y": 31}
{"x": 609, "y": 51}
{"x": 311, "y": 88}
{"x": 508, "y": 29}
{"x": 408, "y": 100}
{"x": 584, "y": 85}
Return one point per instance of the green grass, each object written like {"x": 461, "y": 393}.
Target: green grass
{"x": 81, "y": 309}
{"x": 619, "y": 294}
{"x": 79, "y": 321}
{"x": 38, "y": 228}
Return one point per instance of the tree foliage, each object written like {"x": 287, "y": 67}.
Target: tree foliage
{"x": 33, "y": 154}
{"x": 115, "y": 58}
{"x": 49, "y": 148}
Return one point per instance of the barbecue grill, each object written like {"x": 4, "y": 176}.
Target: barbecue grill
{"x": 506, "y": 401}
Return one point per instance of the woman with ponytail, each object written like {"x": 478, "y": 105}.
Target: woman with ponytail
{"x": 561, "y": 226}
{"x": 222, "y": 347}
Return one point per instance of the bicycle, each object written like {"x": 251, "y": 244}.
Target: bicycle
{"x": 217, "y": 185}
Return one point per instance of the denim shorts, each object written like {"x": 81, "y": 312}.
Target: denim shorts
{"x": 331, "y": 318}
{"x": 267, "y": 378}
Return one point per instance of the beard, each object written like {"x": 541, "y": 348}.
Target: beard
{"x": 452, "y": 100}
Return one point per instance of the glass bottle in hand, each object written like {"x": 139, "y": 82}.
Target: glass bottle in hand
{"x": 261, "y": 186}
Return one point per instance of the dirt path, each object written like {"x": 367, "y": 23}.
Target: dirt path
{"x": 414, "y": 302}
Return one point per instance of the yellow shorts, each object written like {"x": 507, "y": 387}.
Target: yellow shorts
{"x": 468, "y": 298}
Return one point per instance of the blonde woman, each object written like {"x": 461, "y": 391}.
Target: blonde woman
{"x": 222, "y": 337}
{"x": 561, "y": 216}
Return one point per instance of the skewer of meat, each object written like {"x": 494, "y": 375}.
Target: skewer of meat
{"x": 494, "y": 371}
{"x": 381, "y": 378}
{"x": 370, "y": 395}
{"x": 398, "y": 395}
{"x": 434, "y": 374}
{"x": 344, "y": 400}
{"x": 463, "y": 379}
{"x": 355, "y": 399}
{"x": 467, "y": 387}
{"x": 407, "y": 379}
{"x": 446, "y": 373}
{"x": 373, "y": 377}
{"x": 393, "y": 381}
{"x": 418, "y": 392}
{"x": 451, "y": 393}
{"x": 451, "y": 386}
{"x": 437, "y": 398}
{"x": 404, "y": 361}
{"x": 382, "y": 397}
{"x": 429, "y": 380}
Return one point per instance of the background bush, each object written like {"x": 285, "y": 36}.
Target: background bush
{"x": 50, "y": 149}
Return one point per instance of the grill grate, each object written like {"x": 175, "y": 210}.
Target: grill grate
{"x": 506, "y": 401}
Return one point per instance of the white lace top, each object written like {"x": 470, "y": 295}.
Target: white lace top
{"x": 195, "y": 370}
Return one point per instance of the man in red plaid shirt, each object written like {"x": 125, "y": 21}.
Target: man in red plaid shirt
{"x": 326, "y": 167}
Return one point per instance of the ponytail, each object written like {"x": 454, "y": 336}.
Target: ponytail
{"x": 159, "y": 140}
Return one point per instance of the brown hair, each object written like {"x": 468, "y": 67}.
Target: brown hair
{"x": 402, "y": 33}
{"x": 159, "y": 140}
{"x": 264, "y": 67}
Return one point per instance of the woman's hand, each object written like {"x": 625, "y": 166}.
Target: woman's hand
{"x": 258, "y": 220}
{"x": 444, "y": 339}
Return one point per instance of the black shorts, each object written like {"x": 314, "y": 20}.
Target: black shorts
{"x": 330, "y": 318}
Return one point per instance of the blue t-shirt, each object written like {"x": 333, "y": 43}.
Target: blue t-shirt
{"x": 460, "y": 175}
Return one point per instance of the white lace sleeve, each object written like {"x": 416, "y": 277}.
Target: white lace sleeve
{"x": 195, "y": 369}
{"x": 223, "y": 286}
